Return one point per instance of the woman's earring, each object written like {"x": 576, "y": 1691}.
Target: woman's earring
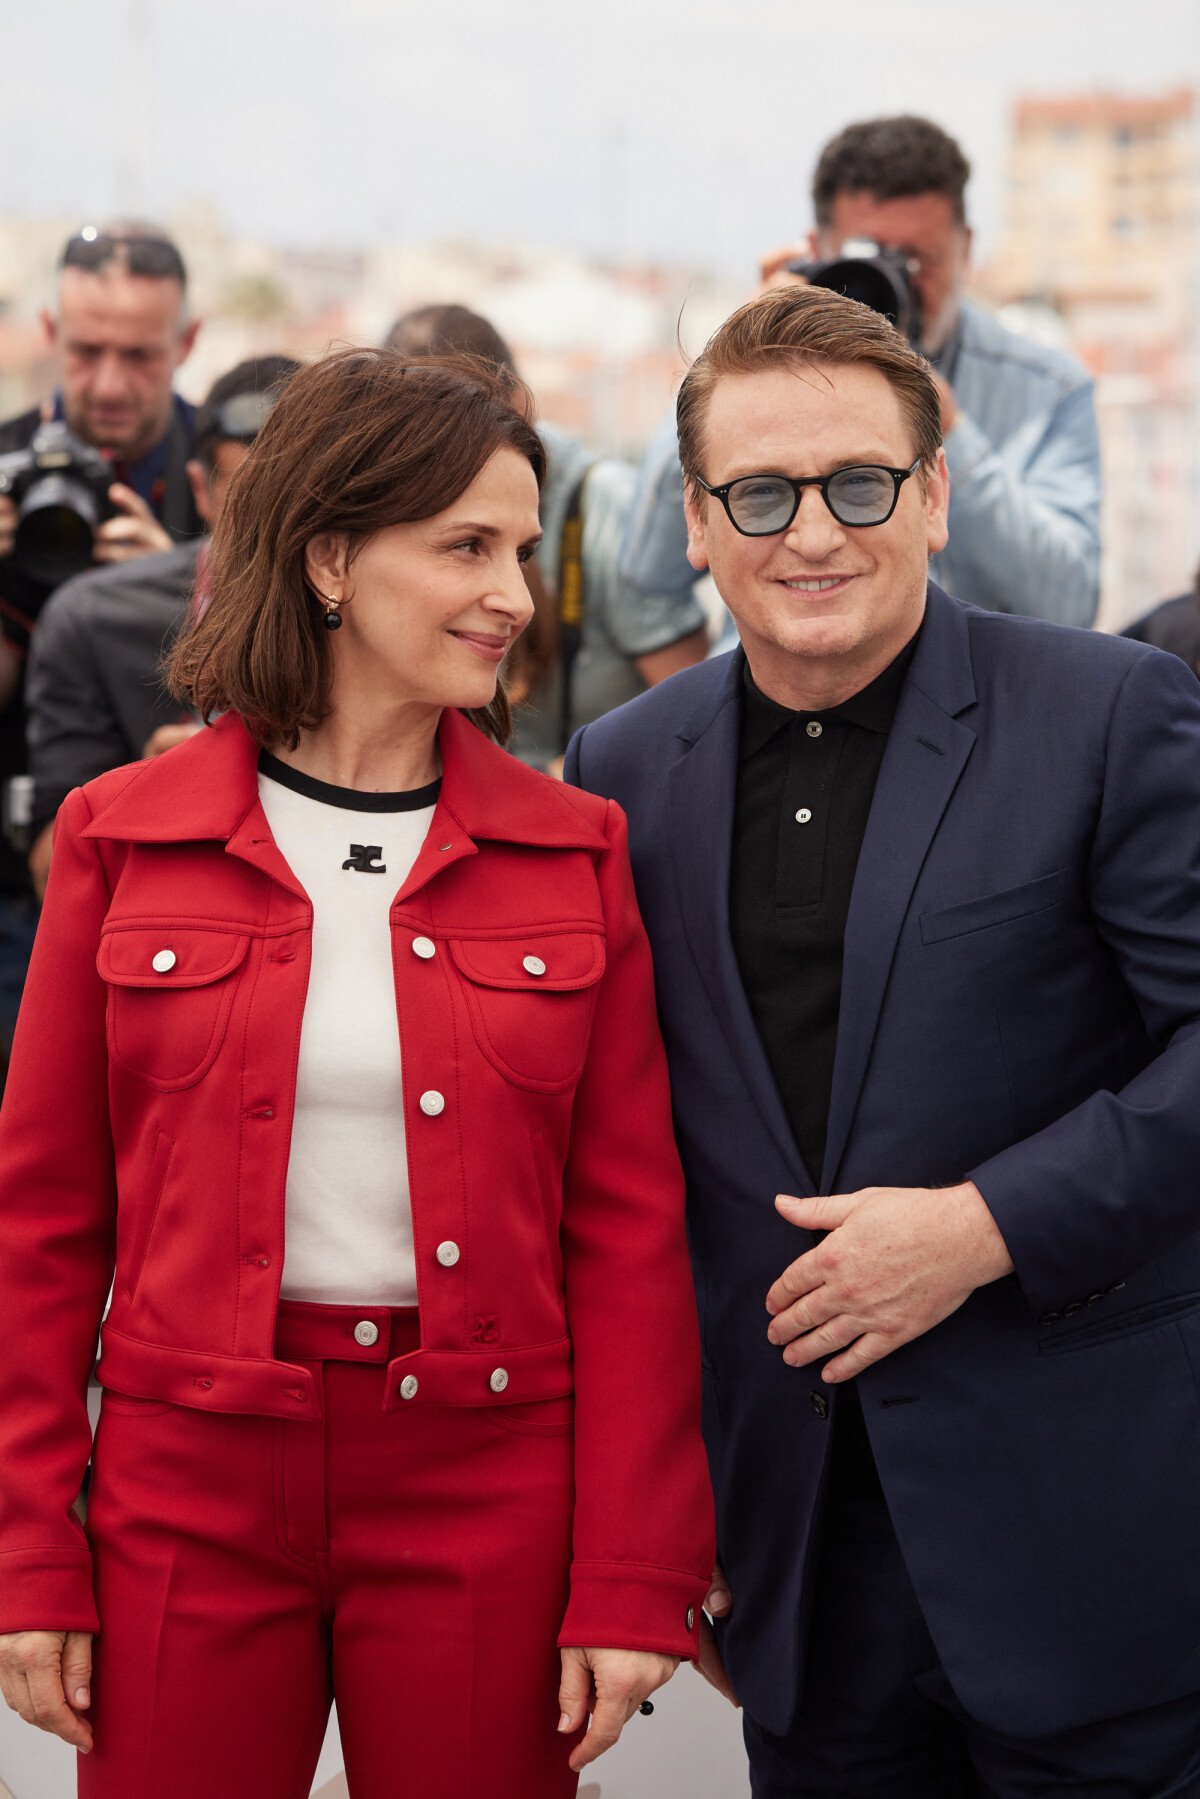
{"x": 333, "y": 618}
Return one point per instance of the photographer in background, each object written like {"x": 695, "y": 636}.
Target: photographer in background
{"x": 119, "y": 332}
{"x": 1018, "y": 418}
{"x": 595, "y": 640}
{"x": 95, "y": 695}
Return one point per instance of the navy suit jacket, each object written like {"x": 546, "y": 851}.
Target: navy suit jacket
{"x": 1021, "y": 1007}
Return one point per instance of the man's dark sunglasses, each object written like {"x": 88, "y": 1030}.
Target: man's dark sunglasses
{"x": 761, "y": 505}
{"x": 141, "y": 255}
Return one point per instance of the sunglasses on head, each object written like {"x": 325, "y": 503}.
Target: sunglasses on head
{"x": 140, "y": 253}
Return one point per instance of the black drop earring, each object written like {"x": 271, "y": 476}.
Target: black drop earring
{"x": 333, "y": 618}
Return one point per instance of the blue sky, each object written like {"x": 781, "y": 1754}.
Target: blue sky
{"x": 628, "y": 128}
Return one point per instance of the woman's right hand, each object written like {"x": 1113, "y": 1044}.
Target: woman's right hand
{"x": 46, "y": 1677}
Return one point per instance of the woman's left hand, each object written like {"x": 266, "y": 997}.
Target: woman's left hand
{"x": 611, "y": 1684}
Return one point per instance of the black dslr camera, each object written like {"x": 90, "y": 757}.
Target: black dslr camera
{"x": 60, "y": 485}
{"x": 881, "y": 279}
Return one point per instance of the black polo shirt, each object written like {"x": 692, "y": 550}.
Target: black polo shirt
{"x": 804, "y": 790}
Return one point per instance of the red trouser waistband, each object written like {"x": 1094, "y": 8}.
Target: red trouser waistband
{"x": 306, "y": 1332}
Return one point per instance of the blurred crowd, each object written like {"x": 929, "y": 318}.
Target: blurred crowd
{"x": 111, "y": 483}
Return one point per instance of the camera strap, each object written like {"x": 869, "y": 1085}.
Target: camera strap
{"x": 179, "y": 515}
{"x": 572, "y": 605}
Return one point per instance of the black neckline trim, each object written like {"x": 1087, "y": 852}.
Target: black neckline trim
{"x": 350, "y": 799}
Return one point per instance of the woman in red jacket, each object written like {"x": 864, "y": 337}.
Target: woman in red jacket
{"x": 338, "y": 1060}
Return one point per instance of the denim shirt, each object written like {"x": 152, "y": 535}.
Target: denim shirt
{"x": 1024, "y": 461}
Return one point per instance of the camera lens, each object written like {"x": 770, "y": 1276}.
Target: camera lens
{"x": 56, "y": 528}
{"x": 872, "y": 283}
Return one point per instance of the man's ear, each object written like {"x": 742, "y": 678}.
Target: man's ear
{"x": 697, "y": 550}
{"x": 327, "y": 564}
{"x": 187, "y": 338}
{"x": 197, "y": 476}
{"x": 937, "y": 504}
{"x": 49, "y": 326}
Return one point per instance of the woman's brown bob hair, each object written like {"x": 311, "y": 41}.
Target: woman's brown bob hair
{"x": 358, "y": 441}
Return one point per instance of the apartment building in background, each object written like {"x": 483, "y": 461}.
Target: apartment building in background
{"x": 1102, "y": 233}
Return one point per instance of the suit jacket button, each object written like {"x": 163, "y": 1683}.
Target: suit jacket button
{"x": 408, "y": 1387}
{"x": 819, "y": 1404}
{"x": 447, "y": 1253}
{"x": 163, "y": 962}
{"x": 499, "y": 1380}
{"x": 432, "y": 1103}
{"x": 424, "y": 947}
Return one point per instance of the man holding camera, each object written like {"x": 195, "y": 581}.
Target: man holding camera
{"x": 1018, "y": 418}
{"x": 95, "y": 474}
{"x": 95, "y": 695}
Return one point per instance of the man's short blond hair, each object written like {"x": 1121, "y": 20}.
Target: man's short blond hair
{"x": 799, "y": 328}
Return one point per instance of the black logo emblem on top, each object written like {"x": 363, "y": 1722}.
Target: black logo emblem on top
{"x": 362, "y": 858}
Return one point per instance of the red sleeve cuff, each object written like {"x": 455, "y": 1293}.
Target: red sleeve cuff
{"x": 47, "y": 1589}
{"x": 623, "y": 1605}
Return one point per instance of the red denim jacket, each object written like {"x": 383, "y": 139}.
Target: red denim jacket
{"x": 145, "y": 1132}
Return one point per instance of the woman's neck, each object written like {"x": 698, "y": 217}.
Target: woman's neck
{"x": 392, "y": 753}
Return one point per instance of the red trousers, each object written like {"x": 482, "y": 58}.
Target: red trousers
{"x": 412, "y": 1564}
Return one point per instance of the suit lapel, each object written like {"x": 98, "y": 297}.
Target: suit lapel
{"x": 701, "y": 789}
{"x": 926, "y": 753}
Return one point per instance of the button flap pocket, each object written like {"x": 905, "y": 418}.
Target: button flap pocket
{"x": 170, "y": 993}
{"x": 163, "y": 956}
{"x": 995, "y": 908}
{"x": 561, "y": 963}
{"x": 531, "y": 999}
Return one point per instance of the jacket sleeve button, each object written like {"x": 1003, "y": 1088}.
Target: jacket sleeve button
{"x": 1049, "y": 1317}
{"x": 690, "y": 1617}
{"x": 819, "y": 1404}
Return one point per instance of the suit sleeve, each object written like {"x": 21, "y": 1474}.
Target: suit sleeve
{"x": 73, "y": 733}
{"x": 643, "y": 1551}
{"x": 1115, "y": 1182}
{"x": 57, "y": 1216}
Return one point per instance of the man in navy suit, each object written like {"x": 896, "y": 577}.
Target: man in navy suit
{"x": 923, "y": 888}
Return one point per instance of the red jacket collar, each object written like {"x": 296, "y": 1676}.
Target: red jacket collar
{"x": 203, "y": 790}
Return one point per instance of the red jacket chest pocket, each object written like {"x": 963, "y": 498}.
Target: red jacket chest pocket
{"x": 170, "y": 992}
{"x": 531, "y": 1000}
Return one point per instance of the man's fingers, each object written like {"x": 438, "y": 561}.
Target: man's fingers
{"x": 718, "y": 1601}
{"x": 818, "y": 1211}
{"x": 836, "y": 1335}
{"x": 129, "y": 500}
{"x": 870, "y": 1347}
{"x": 710, "y": 1665}
{"x": 773, "y": 267}
{"x": 799, "y": 1277}
{"x": 804, "y": 1318}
